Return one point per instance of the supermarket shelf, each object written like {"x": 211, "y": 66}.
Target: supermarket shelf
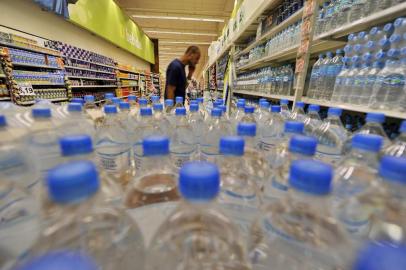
{"x": 5, "y": 98}
{"x": 380, "y": 17}
{"x": 88, "y": 69}
{"x": 124, "y": 86}
{"x": 292, "y": 19}
{"x": 289, "y": 53}
{"x": 91, "y": 78}
{"x": 2, "y": 75}
{"x": 123, "y": 78}
{"x": 51, "y": 52}
{"x": 90, "y": 62}
{"x": 354, "y": 108}
{"x": 128, "y": 71}
{"x": 32, "y": 65}
{"x": 33, "y": 102}
{"x": 93, "y": 86}
{"x": 48, "y": 84}
{"x": 251, "y": 93}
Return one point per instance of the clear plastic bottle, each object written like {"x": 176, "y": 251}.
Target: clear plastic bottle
{"x": 183, "y": 142}
{"x": 340, "y": 81}
{"x": 124, "y": 113}
{"x": 169, "y": 107}
{"x": 249, "y": 115}
{"x": 312, "y": 121}
{"x": 299, "y": 231}
{"x": 331, "y": 136}
{"x": 108, "y": 98}
{"x": 374, "y": 256}
{"x": 214, "y": 130}
{"x": 116, "y": 101}
{"x": 398, "y": 147}
{"x": 353, "y": 176}
{"x": 113, "y": 150}
{"x": 373, "y": 125}
{"x": 348, "y": 87}
{"x": 160, "y": 120}
{"x": 178, "y": 102}
{"x": 358, "y": 85}
{"x": 197, "y": 235}
{"x": 91, "y": 109}
{"x": 314, "y": 77}
{"x": 285, "y": 111}
{"x": 358, "y": 10}
{"x": 238, "y": 114}
{"x": 196, "y": 120}
{"x": 76, "y": 217}
{"x": 77, "y": 122}
{"x": 298, "y": 113}
{"x": 263, "y": 113}
{"x": 333, "y": 70}
{"x": 300, "y": 148}
{"x": 132, "y": 99}
{"x": 370, "y": 80}
{"x": 240, "y": 193}
{"x": 154, "y": 99}
{"x": 322, "y": 78}
{"x": 60, "y": 259}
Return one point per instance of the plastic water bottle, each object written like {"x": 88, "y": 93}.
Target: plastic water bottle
{"x": 178, "y": 102}
{"x": 298, "y": 231}
{"x": 343, "y": 12}
{"x": 154, "y": 99}
{"x": 321, "y": 82}
{"x": 80, "y": 147}
{"x": 73, "y": 216}
{"x": 370, "y": 80}
{"x": 92, "y": 111}
{"x": 238, "y": 114}
{"x": 116, "y": 101}
{"x": 340, "y": 81}
{"x": 331, "y": 136}
{"x": 333, "y": 70}
{"x": 358, "y": 84}
{"x": 240, "y": 193}
{"x": 202, "y": 108}
{"x": 183, "y": 142}
{"x": 380, "y": 256}
{"x": 285, "y": 111}
{"x": 373, "y": 125}
{"x": 298, "y": 113}
{"x": 357, "y": 10}
{"x": 160, "y": 120}
{"x": 312, "y": 120}
{"x": 300, "y": 148}
{"x": 77, "y": 122}
{"x": 196, "y": 121}
{"x": 249, "y": 115}
{"x": 271, "y": 134}
{"x": 214, "y": 130}
{"x": 354, "y": 175}
{"x": 113, "y": 151}
{"x": 263, "y": 112}
{"x": 349, "y": 84}
{"x": 132, "y": 99}
{"x": 169, "y": 110}
{"x": 398, "y": 147}
{"x": 255, "y": 161}
{"x": 108, "y": 98}
{"x": 199, "y": 184}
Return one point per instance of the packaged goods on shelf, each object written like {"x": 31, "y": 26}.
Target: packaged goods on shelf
{"x": 51, "y": 93}
{"x": 284, "y": 11}
{"x": 4, "y": 92}
{"x": 32, "y": 77}
{"x": 36, "y": 59}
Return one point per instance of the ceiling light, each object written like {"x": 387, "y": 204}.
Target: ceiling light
{"x": 178, "y": 18}
{"x": 180, "y": 33}
{"x": 185, "y": 42}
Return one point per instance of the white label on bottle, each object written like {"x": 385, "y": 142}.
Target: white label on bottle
{"x": 114, "y": 162}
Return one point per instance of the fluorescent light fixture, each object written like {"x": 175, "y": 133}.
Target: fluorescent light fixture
{"x": 178, "y": 18}
{"x": 185, "y": 42}
{"x": 180, "y": 33}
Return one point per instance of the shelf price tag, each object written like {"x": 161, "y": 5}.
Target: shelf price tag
{"x": 26, "y": 90}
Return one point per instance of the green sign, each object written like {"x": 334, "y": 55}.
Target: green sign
{"x": 106, "y": 19}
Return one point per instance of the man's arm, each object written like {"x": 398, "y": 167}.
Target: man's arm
{"x": 170, "y": 94}
{"x": 191, "y": 71}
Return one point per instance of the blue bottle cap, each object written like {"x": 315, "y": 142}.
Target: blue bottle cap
{"x": 403, "y": 52}
{"x": 89, "y": 98}
{"x": 199, "y": 181}
{"x": 143, "y": 101}
{"x": 232, "y": 145}
{"x": 393, "y": 53}
{"x": 110, "y": 109}
{"x": 249, "y": 109}
{"x": 221, "y": 101}
{"x": 351, "y": 37}
{"x": 361, "y": 35}
{"x": 294, "y": 127}
{"x": 216, "y": 112}
{"x": 194, "y": 107}
{"x": 261, "y": 100}
{"x": 402, "y": 128}
{"x": 241, "y": 105}
{"x": 132, "y": 98}
{"x": 370, "y": 45}
{"x": 375, "y": 118}
{"x": 275, "y": 108}
{"x": 398, "y": 22}
{"x": 339, "y": 51}
{"x": 313, "y": 108}
{"x": 381, "y": 256}
{"x": 155, "y": 146}
{"x": 300, "y": 104}
{"x": 265, "y": 104}
{"x": 108, "y": 95}
{"x": 168, "y": 102}
{"x": 194, "y": 101}
{"x": 223, "y": 108}
{"x": 41, "y": 113}
{"x": 373, "y": 31}
{"x": 388, "y": 28}
{"x": 367, "y": 142}
{"x": 347, "y": 48}
{"x": 75, "y": 145}
{"x": 384, "y": 43}
{"x": 310, "y": 176}
{"x": 395, "y": 38}
{"x": 367, "y": 57}
{"x": 247, "y": 129}
{"x": 72, "y": 182}
{"x": 74, "y": 107}
{"x": 146, "y": 111}
{"x": 321, "y": 56}
{"x": 329, "y": 54}
{"x": 241, "y": 100}
{"x": 284, "y": 102}
{"x": 155, "y": 99}
{"x": 180, "y": 111}
{"x": 179, "y": 99}
{"x": 200, "y": 100}
{"x": 380, "y": 55}
{"x": 61, "y": 260}
{"x": 3, "y": 121}
{"x": 303, "y": 145}
{"x": 158, "y": 107}
{"x": 77, "y": 100}
{"x": 116, "y": 100}
{"x": 335, "y": 112}
{"x": 124, "y": 105}
{"x": 393, "y": 169}
{"x": 217, "y": 103}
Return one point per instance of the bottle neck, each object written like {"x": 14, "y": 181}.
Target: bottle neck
{"x": 304, "y": 199}
{"x": 363, "y": 156}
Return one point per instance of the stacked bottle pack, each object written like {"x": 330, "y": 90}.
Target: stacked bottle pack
{"x": 24, "y": 57}
{"x": 157, "y": 186}
{"x": 371, "y": 73}
{"x": 284, "y": 11}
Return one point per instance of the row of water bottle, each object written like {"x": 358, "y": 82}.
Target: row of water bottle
{"x": 338, "y": 13}
{"x": 269, "y": 80}
{"x": 83, "y": 204}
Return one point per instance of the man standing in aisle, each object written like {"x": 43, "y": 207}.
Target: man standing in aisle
{"x": 176, "y": 81}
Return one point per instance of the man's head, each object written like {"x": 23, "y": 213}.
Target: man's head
{"x": 192, "y": 55}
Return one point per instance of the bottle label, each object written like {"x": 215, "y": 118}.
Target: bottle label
{"x": 115, "y": 162}
{"x": 180, "y": 159}
{"x": 266, "y": 147}
{"x": 331, "y": 158}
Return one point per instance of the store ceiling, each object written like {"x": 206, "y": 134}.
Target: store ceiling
{"x": 180, "y": 23}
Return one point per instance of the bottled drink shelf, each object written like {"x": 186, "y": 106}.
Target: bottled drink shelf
{"x": 90, "y": 62}
{"x": 258, "y": 94}
{"x": 88, "y": 69}
{"x": 90, "y": 78}
{"x": 46, "y": 50}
